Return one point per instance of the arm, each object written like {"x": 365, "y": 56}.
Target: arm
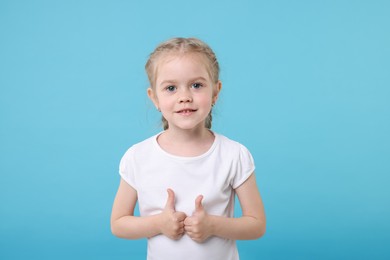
{"x": 125, "y": 225}
{"x": 250, "y": 225}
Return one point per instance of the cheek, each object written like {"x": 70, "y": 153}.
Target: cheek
{"x": 165, "y": 102}
{"x": 206, "y": 100}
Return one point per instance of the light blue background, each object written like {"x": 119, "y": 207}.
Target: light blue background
{"x": 306, "y": 89}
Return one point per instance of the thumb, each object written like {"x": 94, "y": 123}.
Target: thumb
{"x": 171, "y": 200}
{"x": 198, "y": 203}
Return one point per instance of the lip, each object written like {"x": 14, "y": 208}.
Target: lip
{"x": 186, "y": 111}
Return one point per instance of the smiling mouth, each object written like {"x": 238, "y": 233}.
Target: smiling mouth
{"x": 186, "y": 111}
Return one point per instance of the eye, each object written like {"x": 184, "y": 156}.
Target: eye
{"x": 196, "y": 85}
{"x": 170, "y": 88}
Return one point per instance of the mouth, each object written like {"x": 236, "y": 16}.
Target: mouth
{"x": 186, "y": 111}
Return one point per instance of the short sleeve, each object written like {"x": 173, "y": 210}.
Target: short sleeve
{"x": 245, "y": 167}
{"x": 126, "y": 168}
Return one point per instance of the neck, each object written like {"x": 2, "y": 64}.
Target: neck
{"x": 191, "y": 142}
{"x": 190, "y": 135}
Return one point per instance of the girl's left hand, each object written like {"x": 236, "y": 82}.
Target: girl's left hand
{"x": 198, "y": 226}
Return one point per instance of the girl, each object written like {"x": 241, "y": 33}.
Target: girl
{"x": 186, "y": 177}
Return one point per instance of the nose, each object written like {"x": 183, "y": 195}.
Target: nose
{"x": 185, "y": 97}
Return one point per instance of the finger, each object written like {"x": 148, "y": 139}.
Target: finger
{"x": 188, "y": 221}
{"x": 180, "y": 216}
{"x": 188, "y": 229}
{"x": 198, "y": 203}
{"x": 171, "y": 200}
{"x": 179, "y": 233}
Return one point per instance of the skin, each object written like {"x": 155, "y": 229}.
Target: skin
{"x": 185, "y": 93}
{"x": 183, "y": 82}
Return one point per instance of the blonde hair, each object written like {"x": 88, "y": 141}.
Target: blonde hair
{"x": 183, "y": 46}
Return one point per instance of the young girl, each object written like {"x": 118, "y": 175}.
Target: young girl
{"x": 186, "y": 177}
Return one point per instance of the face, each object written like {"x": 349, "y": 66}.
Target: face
{"x": 184, "y": 91}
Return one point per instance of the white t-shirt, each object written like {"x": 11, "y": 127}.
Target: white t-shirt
{"x": 215, "y": 174}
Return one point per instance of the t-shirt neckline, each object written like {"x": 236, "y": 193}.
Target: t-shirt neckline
{"x": 186, "y": 158}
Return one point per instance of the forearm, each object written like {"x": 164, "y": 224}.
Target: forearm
{"x": 132, "y": 227}
{"x": 242, "y": 228}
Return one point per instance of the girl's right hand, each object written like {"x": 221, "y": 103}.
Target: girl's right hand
{"x": 172, "y": 221}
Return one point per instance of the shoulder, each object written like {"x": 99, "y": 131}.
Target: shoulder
{"x": 145, "y": 144}
{"x": 232, "y": 150}
{"x": 230, "y": 145}
{"x": 239, "y": 158}
{"x": 139, "y": 148}
{"x": 136, "y": 154}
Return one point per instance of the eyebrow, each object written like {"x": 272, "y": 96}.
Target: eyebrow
{"x": 174, "y": 81}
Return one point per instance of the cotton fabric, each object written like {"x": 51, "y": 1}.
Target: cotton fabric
{"x": 215, "y": 174}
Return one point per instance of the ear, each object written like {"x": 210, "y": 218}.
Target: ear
{"x": 217, "y": 89}
{"x": 153, "y": 97}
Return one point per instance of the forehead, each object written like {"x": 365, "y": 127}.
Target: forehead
{"x": 173, "y": 63}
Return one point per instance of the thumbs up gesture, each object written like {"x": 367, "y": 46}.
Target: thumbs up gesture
{"x": 198, "y": 226}
{"x": 172, "y": 221}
